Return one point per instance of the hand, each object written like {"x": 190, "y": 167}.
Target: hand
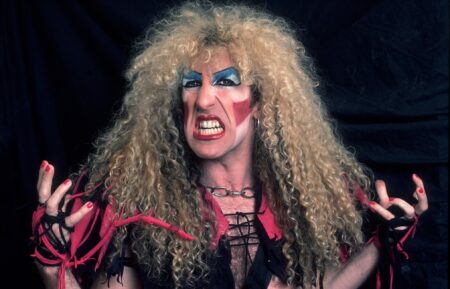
{"x": 55, "y": 219}
{"x": 409, "y": 210}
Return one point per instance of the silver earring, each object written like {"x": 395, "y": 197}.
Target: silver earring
{"x": 256, "y": 123}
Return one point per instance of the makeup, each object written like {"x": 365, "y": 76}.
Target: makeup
{"x": 227, "y": 77}
{"x": 242, "y": 110}
{"x": 192, "y": 79}
{"x": 217, "y": 108}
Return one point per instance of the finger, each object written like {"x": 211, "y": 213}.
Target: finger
{"x": 421, "y": 195}
{"x": 45, "y": 187}
{"x": 380, "y": 186}
{"x": 73, "y": 219}
{"x": 385, "y": 214}
{"x": 55, "y": 199}
{"x": 41, "y": 174}
{"x": 68, "y": 182}
{"x": 418, "y": 181}
{"x": 402, "y": 204}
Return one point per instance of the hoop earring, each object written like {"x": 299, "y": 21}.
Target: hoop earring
{"x": 256, "y": 123}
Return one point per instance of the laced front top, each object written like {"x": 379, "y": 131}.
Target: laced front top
{"x": 243, "y": 241}
{"x": 242, "y": 232}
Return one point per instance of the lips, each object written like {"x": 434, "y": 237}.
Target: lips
{"x": 208, "y": 127}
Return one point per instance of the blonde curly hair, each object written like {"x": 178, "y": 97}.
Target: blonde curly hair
{"x": 307, "y": 173}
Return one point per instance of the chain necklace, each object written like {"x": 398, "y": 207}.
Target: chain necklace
{"x": 247, "y": 192}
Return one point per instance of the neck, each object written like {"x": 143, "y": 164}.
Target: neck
{"x": 233, "y": 174}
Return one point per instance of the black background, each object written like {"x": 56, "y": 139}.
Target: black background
{"x": 384, "y": 73}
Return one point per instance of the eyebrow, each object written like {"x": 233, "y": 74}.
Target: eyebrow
{"x": 226, "y": 73}
{"x": 192, "y": 74}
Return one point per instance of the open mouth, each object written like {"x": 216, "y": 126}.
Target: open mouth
{"x": 208, "y": 127}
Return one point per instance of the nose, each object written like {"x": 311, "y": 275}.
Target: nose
{"x": 206, "y": 97}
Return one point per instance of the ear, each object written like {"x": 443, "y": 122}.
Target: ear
{"x": 255, "y": 111}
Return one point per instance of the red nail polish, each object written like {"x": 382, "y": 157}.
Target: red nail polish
{"x": 372, "y": 203}
{"x": 43, "y": 164}
{"x": 66, "y": 182}
{"x": 47, "y": 168}
{"x": 89, "y": 205}
{"x": 420, "y": 190}
{"x": 391, "y": 199}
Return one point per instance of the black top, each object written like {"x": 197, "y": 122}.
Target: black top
{"x": 268, "y": 261}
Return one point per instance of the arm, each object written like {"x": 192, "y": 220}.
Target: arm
{"x": 354, "y": 272}
{"x": 59, "y": 235}
{"x": 49, "y": 274}
{"x": 357, "y": 269}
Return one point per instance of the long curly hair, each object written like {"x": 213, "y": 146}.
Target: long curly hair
{"x": 308, "y": 175}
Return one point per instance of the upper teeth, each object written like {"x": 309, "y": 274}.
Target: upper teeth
{"x": 209, "y": 124}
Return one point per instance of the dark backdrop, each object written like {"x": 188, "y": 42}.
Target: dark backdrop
{"x": 384, "y": 71}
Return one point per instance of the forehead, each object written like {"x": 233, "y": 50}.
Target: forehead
{"x": 212, "y": 60}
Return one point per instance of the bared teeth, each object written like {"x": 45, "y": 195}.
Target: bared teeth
{"x": 209, "y": 124}
{"x": 210, "y": 131}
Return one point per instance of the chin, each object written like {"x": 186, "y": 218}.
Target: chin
{"x": 208, "y": 155}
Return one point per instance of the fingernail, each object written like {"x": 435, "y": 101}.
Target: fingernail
{"x": 43, "y": 164}
{"x": 66, "y": 182}
{"x": 420, "y": 190}
{"x": 47, "y": 168}
{"x": 89, "y": 205}
{"x": 372, "y": 204}
{"x": 391, "y": 199}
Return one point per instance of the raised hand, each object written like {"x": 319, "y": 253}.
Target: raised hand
{"x": 56, "y": 221}
{"x": 384, "y": 207}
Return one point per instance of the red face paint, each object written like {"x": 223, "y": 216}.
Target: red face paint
{"x": 214, "y": 101}
{"x": 241, "y": 110}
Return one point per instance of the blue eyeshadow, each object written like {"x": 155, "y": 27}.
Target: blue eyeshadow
{"x": 191, "y": 76}
{"x": 230, "y": 73}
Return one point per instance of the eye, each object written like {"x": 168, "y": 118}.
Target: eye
{"x": 226, "y": 82}
{"x": 192, "y": 83}
{"x": 191, "y": 79}
{"x": 227, "y": 77}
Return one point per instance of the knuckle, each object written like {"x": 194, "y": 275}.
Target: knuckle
{"x": 69, "y": 222}
{"x": 52, "y": 204}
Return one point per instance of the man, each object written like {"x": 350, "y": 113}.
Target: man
{"x": 221, "y": 171}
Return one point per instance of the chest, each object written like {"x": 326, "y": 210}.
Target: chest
{"x": 243, "y": 240}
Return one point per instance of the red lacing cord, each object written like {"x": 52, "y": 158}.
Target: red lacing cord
{"x": 69, "y": 259}
{"x": 399, "y": 247}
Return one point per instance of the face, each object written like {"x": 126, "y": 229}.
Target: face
{"x": 218, "y": 117}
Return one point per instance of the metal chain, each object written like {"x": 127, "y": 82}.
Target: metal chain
{"x": 221, "y": 192}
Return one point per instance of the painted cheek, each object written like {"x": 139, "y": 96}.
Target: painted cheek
{"x": 241, "y": 110}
